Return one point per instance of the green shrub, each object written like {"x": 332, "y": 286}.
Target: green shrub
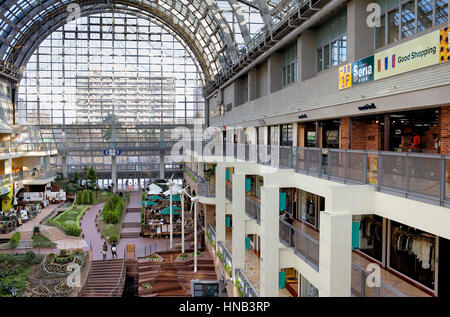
{"x": 144, "y": 197}
{"x": 15, "y": 238}
{"x": 91, "y": 197}
{"x": 113, "y": 238}
{"x": 112, "y": 210}
{"x": 79, "y": 198}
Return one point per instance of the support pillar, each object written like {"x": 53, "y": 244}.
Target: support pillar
{"x": 64, "y": 167}
{"x": 113, "y": 161}
{"x": 238, "y": 240}
{"x": 162, "y": 174}
{"x": 335, "y": 256}
{"x": 8, "y": 168}
{"x": 220, "y": 202}
{"x": 270, "y": 241}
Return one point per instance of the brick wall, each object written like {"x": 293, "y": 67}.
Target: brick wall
{"x": 366, "y": 135}
{"x": 344, "y": 133}
{"x": 445, "y": 130}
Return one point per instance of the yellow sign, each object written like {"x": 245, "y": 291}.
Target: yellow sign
{"x": 412, "y": 55}
{"x": 444, "y": 46}
{"x": 345, "y": 76}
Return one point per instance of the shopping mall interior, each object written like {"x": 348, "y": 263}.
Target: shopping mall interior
{"x": 224, "y": 148}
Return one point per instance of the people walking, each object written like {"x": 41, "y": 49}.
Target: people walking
{"x": 114, "y": 250}
{"x": 105, "y": 249}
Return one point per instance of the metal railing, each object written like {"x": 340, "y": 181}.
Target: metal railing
{"x": 411, "y": 175}
{"x": 38, "y": 175}
{"x": 211, "y": 232}
{"x": 253, "y": 209}
{"x": 303, "y": 244}
{"x": 26, "y": 147}
{"x": 195, "y": 177}
{"x": 361, "y": 289}
{"x": 206, "y": 190}
{"x": 226, "y": 257}
{"x": 246, "y": 287}
{"x": 117, "y": 291}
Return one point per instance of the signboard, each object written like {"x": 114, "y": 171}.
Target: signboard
{"x": 61, "y": 195}
{"x": 112, "y": 152}
{"x": 412, "y": 55}
{"x": 4, "y": 190}
{"x": 444, "y": 45}
{"x": 427, "y": 50}
{"x": 363, "y": 71}
{"x": 345, "y": 76}
{"x": 33, "y": 196}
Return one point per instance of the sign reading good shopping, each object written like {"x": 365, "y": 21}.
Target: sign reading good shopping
{"x": 422, "y": 52}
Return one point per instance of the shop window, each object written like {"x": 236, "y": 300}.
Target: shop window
{"x": 403, "y": 18}
{"x": 310, "y": 206}
{"x": 332, "y": 42}
{"x": 290, "y": 65}
{"x": 286, "y": 135}
{"x": 412, "y": 253}
{"x": 371, "y": 236}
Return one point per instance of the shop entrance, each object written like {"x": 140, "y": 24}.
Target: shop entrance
{"x": 414, "y": 131}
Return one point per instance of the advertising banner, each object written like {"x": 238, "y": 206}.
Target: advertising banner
{"x": 444, "y": 46}
{"x": 345, "y": 76}
{"x": 412, "y": 55}
{"x": 363, "y": 71}
{"x": 33, "y": 196}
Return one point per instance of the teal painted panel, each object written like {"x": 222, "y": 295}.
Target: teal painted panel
{"x": 228, "y": 175}
{"x": 282, "y": 201}
{"x": 228, "y": 222}
{"x": 282, "y": 280}
{"x": 247, "y": 243}
{"x": 355, "y": 235}
{"x": 214, "y": 169}
{"x": 248, "y": 185}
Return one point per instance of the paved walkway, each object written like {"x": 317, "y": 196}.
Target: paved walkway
{"x": 28, "y": 226}
{"x": 143, "y": 246}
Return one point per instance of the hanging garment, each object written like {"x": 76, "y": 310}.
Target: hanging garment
{"x": 426, "y": 246}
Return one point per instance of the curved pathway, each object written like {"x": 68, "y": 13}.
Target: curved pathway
{"x": 143, "y": 246}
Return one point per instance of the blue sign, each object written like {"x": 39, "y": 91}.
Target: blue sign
{"x": 112, "y": 152}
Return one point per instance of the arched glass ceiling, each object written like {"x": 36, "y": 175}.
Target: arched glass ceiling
{"x": 206, "y": 26}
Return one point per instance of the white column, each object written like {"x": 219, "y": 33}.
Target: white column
{"x": 270, "y": 240}
{"x": 220, "y": 202}
{"x": 335, "y": 256}
{"x": 64, "y": 167}
{"x": 8, "y": 168}
{"x": 238, "y": 207}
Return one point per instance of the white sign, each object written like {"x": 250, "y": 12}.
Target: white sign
{"x": 61, "y": 195}
{"x": 33, "y": 196}
{"x": 4, "y": 190}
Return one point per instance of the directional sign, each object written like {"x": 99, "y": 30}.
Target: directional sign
{"x": 112, "y": 152}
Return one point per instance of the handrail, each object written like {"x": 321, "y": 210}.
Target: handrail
{"x": 420, "y": 176}
{"x": 383, "y": 284}
{"x": 87, "y": 270}
{"x": 249, "y": 290}
{"x": 121, "y": 278}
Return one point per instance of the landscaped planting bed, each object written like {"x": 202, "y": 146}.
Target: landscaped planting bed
{"x": 69, "y": 220}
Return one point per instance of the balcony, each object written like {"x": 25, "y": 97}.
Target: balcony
{"x": 253, "y": 209}
{"x": 411, "y": 175}
{"x": 306, "y": 246}
{"x": 38, "y": 177}
{"x": 245, "y": 288}
{"x": 6, "y": 179}
{"x": 206, "y": 190}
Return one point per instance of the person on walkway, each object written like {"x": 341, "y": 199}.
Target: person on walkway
{"x": 105, "y": 249}
{"x": 114, "y": 250}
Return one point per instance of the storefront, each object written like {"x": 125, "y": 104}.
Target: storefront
{"x": 309, "y": 208}
{"x": 6, "y": 194}
{"x": 407, "y": 252}
{"x": 296, "y": 284}
{"x": 329, "y": 133}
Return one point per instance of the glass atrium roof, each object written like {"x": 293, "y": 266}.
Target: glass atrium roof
{"x": 214, "y": 30}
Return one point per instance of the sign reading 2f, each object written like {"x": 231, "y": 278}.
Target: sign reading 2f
{"x": 345, "y": 76}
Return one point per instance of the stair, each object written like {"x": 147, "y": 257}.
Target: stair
{"x": 130, "y": 233}
{"x": 53, "y": 234}
{"x": 103, "y": 278}
{"x": 25, "y": 244}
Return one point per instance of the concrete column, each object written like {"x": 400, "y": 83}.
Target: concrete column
{"x": 335, "y": 256}
{"x": 270, "y": 240}
{"x": 220, "y": 202}
{"x": 8, "y": 168}
{"x": 360, "y": 37}
{"x": 161, "y": 154}
{"x": 64, "y": 167}
{"x": 113, "y": 161}
{"x": 275, "y": 72}
{"x": 47, "y": 163}
{"x": 294, "y": 134}
{"x": 238, "y": 242}
{"x": 307, "y": 53}
{"x": 253, "y": 86}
